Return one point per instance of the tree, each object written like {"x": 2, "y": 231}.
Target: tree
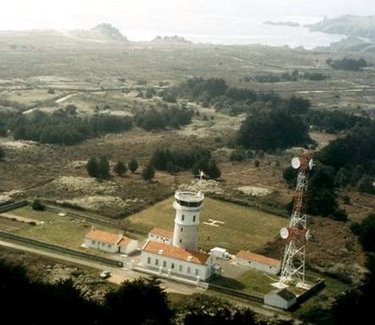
{"x": 366, "y": 232}
{"x": 103, "y": 168}
{"x": 321, "y": 194}
{"x": 120, "y": 168}
{"x": 92, "y": 167}
{"x": 140, "y": 301}
{"x": 202, "y": 309}
{"x": 37, "y": 205}
{"x": 133, "y": 165}
{"x": 2, "y": 153}
{"x": 213, "y": 170}
{"x": 365, "y": 184}
{"x": 269, "y": 131}
{"x": 148, "y": 172}
{"x": 290, "y": 175}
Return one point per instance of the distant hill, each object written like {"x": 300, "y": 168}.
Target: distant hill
{"x": 109, "y": 31}
{"x": 352, "y": 26}
{"x": 355, "y": 45}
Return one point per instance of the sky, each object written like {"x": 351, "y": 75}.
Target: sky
{"x": 167, "y": 15}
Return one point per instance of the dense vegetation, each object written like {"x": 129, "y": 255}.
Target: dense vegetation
{"x": 287, "y": 77}
{"x": 348, "y": 64}
{"x": 333, "y": 121}
{"x": 352, "y": 157}
{"x": 274, "y": 130}
{"x": 355, "y": 306}
{"x": 174, "y": 160}
{"x": 2, "y": 153}
{"x": 63, "y": 126}
{"x": 366, "y": 232}
{"x": 170, "y": 117}
{"x": 98, "y": 168}
{"x": 141, "y": 301}
{"x": 321, "y": 196}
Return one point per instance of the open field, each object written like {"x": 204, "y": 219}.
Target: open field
{"x": 243, "y": 228}
{"x": 61, "y": 230}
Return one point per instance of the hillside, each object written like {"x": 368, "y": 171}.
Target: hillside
{"x": 352, "y": 26}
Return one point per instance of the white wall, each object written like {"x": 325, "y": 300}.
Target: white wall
{"x": 159, "y": 239}
{"x": 258, "y": 266}
{"x": 273, "y": 299}
{"x": 110, "y": 248}
{"x": 130, "y": 248}
{"x": 181, "y": 267}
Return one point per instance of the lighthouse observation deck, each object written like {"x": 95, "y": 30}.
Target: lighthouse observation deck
{"x": 189, "y": 199}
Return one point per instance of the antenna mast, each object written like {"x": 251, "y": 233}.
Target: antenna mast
{"x": 296, "y": 234}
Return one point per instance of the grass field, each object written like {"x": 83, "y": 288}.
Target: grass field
{"x": 243, "y": 228}
{"x": 66, "y": 231}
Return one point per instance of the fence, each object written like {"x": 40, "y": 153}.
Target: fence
{"x": 12, "y": 205}
{"x": 240, "y": 294}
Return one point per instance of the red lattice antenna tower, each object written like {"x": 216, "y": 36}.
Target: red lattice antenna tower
{"x": 296, "y": 234}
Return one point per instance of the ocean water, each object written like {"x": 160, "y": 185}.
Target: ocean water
{"x": 241, "y": 33}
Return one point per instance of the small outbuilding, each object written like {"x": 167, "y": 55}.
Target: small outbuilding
{"x": 258, "y": 262}
{"x": 127, "y": 246}
{"x": 220, "y": 253}
{"x": 110, "y": 242}
{"x": 283, "y": 299}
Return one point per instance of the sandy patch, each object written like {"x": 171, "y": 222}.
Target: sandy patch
{"x": 205, "y": 186}
{"x": 255, "y": 191}
{"x": 85, "y": 185}
{"x": 98, "y": 202}
{"x": 16, "y": 144}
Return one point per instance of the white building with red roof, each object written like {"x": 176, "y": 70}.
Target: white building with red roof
{"x": 172, "y": 260}
{"x": 258, "y": 262}
{"x": 110, "y": 242}
{"x": 176, "y": 253}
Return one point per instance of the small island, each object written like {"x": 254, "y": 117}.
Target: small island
{"x": 282, "y": 23}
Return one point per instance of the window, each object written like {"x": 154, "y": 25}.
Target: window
{"x": 93, "y": 241}
{"x": 156, "y": 261}
{"x": 148, "y": 260}
{"x": 188, "y": 269}
{"x": 109, "y": 246}
{"x": 182, "y": 229}
{"x": 180, "y": 241}
{"x": 196, "y": 271}
{"x": 193, "y": 218}
{"x": 182, "y": 217}
{"x": 180, "y": 268}
{"x": 164, "y": 264}
{"x": 172, "y": 265}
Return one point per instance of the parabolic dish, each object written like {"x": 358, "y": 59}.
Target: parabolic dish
{"x": 284, "y": 233}
{"x": 296, "y": 163}
{"x": 311, "y": 164}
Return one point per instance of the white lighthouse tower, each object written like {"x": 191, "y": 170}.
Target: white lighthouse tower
{"x": 188, "y": 206}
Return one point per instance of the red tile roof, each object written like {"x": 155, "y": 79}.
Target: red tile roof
{"x": 162, "y": 232}
{"x": 258, "y": 258}
{"x": 103, "y": 236}
{"x": 175, "y": 252}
